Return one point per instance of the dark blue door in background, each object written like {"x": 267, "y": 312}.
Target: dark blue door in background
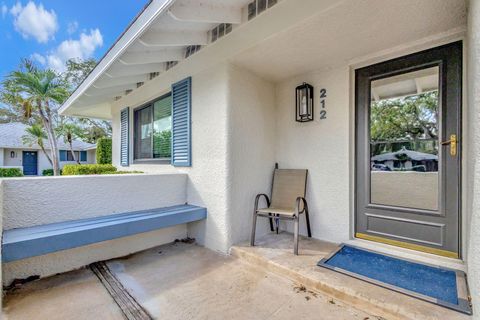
{"x": 29, "y": 160}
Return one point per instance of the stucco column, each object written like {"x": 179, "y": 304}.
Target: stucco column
{"x": 473, "y": 158}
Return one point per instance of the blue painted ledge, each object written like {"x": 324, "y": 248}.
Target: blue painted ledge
{"x": 34, "y": 241}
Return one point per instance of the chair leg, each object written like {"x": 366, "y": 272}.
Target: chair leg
{"x": 271, "y": 222}
{"x": 277, "y": 223}
{"x": 254, "y": 226}
{"x": 307, "y": 217}
{"x": 295, "y": 236}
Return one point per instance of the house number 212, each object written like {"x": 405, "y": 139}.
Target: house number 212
{"x": 323, "y": 98}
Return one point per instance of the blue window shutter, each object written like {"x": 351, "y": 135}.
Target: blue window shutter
{"x": 181, "y": 129}
{"x": 124, "y": 134}
{"x": 63, "y": 155}
{"x": 83, "y": 155}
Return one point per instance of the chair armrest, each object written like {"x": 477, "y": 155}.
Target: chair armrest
{"x": 257, "y": 199}
{"x": 297, "y": 205}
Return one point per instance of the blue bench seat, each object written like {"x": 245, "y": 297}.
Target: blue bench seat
{"x": 28, "y": 242}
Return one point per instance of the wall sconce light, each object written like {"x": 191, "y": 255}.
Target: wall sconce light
{"x": 12, "y": 154}
{"x": 304, "y": 102}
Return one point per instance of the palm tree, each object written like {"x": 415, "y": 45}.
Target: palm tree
{"x": 36, "y": 135}
{"x": 37, "y": 92}
{"x": 69, "y": 132}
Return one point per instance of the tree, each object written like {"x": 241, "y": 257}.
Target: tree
{"x": 37, "y": 92}
{"x": 36, "y": 135}
{"x": 409, "y": 121}
{"x": 77, "y": 71}
{"x": 405, "y": 118}
{"x": 69, "y": 132}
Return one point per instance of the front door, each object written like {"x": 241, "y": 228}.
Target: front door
{"x": 29, "y": 160}
{"x": 408, "y": 148}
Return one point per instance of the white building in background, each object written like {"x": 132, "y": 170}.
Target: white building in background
{"x": 14, "y": 153}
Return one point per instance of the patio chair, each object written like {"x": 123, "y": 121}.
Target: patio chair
{"x": 288, "y": 202}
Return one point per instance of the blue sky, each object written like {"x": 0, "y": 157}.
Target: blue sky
{"x": 52, "y": 31}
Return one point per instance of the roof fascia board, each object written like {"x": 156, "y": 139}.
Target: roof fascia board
{"x": 154, "y": 9}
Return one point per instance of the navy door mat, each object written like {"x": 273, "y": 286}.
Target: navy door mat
{"x": 442, "y": 286}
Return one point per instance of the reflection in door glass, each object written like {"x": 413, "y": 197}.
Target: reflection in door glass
{"x": 404, "y": 140}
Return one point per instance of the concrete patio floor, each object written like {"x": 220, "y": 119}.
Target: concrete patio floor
{"x": 275, "y": 253}
{"x": 177, "y": 281}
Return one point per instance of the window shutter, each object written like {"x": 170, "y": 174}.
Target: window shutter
{"x": 63, "y": 155}
{"x": 181, "y": 130}
{"x": 83, "y": 155}
{"x": 124, "y": 130}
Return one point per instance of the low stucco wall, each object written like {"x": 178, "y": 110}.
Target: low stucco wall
{"x": 35, "y": 201}
{"x": 405, "y": 189}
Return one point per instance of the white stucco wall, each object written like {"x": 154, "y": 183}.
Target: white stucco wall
{"x": 322, "y": 147}
{"x": 41, "y": 200}
{"x": 207, "y": 178}
{"x": 2, "y": 157}
{"x": 92, "y": 156}
{"x": 473, "y": 159}
{"x": 251, "y": 149}
{"x": 233, "y": 133}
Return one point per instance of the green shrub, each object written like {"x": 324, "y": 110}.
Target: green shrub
{"x": 49, "y": 172}
{"x": 87, "y": 169}
{"x": 104, "y": 151}
{"x": 10, "y": 172}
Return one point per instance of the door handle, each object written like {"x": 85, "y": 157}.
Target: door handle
{"x": 453, "y": 144}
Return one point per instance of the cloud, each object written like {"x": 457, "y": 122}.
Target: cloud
{"x": 82, "y": 48}
{"x": 72, "y": 27}
{"x": 34, "y": 21}
{"x": 4, "y": 10}
{"x": 39, "y": 58}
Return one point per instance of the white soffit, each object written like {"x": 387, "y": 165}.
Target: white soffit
{"x": 161, "y": 34}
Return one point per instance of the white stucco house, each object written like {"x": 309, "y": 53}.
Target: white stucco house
{"x": 30, "y": 158}
{"x": 207, "y": 96}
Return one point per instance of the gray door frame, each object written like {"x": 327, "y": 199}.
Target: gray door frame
{"x": 448, "y": 218}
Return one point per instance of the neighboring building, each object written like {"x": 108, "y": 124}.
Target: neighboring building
{"x": 30, "y": 158}
{"x": 407, "y": 159}
{"x": 216, "y": 81}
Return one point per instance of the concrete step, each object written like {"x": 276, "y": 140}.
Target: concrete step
{"x": 275, "y": 253}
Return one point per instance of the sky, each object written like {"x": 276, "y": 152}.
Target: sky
{"x": 53, "y": 31}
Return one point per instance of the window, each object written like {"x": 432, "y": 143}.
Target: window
{"x": 70, "y": 155}
{"x": 153, "y": 130}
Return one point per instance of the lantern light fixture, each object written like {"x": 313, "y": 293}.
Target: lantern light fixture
{"x": 12, "y": 154}
{"x": 304, "y": 103}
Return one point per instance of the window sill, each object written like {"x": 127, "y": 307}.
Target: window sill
{"x": 151, "y": 161}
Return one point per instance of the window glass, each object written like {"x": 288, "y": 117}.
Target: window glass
{"x": 143, "y": 133}
{"x": 70, "y": 156}
{"x": 404, "y": 140}
{"x": 153, "y": 130}
{"x": 162, "y": 128}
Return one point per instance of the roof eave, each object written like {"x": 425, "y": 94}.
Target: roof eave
{"x": 139, "y": 25}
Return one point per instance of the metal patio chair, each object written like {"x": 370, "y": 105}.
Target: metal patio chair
{"x": 288, "y": 202}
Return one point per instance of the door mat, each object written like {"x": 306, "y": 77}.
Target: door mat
{"x": 442, "y": 286}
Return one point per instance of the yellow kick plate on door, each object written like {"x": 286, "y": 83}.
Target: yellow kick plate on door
{"x": 411, "y": 246}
